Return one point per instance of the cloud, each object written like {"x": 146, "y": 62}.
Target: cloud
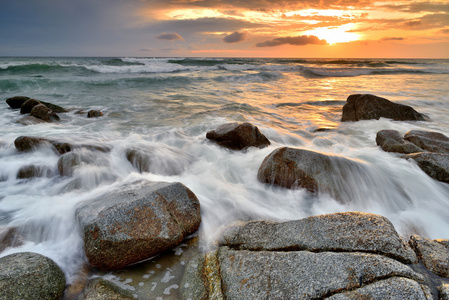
{"x": 297, "y": 41}
{"x": 417, "y": 6}
{"x": 235, "y": 37}
{"x": 169, "y": 37}
{"x": 146, "y": 50}
{"x": 445, "y": 31}
{"x": 392, "y": 39}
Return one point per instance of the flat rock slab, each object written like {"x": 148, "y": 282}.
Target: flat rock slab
{"x": 30, "y": 276}
{"x": 303, "y": 274}
{"x": 432, "y": 254}
{"x": 238, "y": 136}
{"x": 100, "y": 289}
{"x": 366, "y": 107}
{"x": 134, "y": 224}
{"x": 349, "y": 231}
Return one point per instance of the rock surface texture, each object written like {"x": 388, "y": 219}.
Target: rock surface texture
{"x": 126, "y": 227}
{"x": 44, "y": 113}
{"x": 393, "y": 141}
{"x": 30, "y": 276}
{"x": 337, "y": 256}
{"x": 100, "y": 289}
{"x": 366, "y": 107}
{"x": 432, "y": 254}
{"x": 238, "y": 136}
{"x": 429, "y": 140}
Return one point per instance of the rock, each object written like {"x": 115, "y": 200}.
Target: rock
{"x": 317, "y": 172}
{"x": 444, "y": 242}
{"x": 366, "y": 107}
{"x": 94, "y": 113}
{"x": 162, "y": 160}
{"x": 392, "y": 141}
{"x": 33, "y": 171}
{"x": 69, "y": 161}
{"x": 55, "y": 108}
{"x": 27, "y": 143}
{"x": 444, "y": 291}
{"x": 30, "y": 276}
{"x": 429, "y": 140}
{"x": 136, "y": 223}
{"x": 340, "y": 232}
{"x": 391, "y": 288}
{"x": 9, "y": 237}
{"x": 432, "y": 254}
{"x": 303, "y": 274}
{"x": 17, "y": 101}
{"x": 100, "y": 289}
{"x": 28, "y": 105}
{"x": 29, "y": 120}
{"x": 238, "y": 136}
{"x": 433, "y": 164}
{"x": 44, "y": 113}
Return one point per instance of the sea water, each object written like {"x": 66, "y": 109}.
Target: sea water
{"x": 168, "y": 104}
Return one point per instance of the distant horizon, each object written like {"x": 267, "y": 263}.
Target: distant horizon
{"x": 213, "y": 28}
{"x": 221, "y": 57}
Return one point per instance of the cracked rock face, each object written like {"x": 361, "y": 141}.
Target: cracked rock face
{"x": 433, "y": 255}
{"x": 429, "y": 140}
{"x": 125, "y": 227}
{"x": 337, "y": 256}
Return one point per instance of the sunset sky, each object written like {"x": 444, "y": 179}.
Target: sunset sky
{"x": 219, "y": 28}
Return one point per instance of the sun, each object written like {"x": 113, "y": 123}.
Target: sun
{"x": 335, "y": 35}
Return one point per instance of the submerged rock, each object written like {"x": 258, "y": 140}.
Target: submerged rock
{"x": 429, "y": 140}
{"x": 28, "y": 105}
{"x": 238, "y": 136}
{"x": 339, "y": 232}
{"x": 17, "y": 101}
{"x": 392, "y": 141}
{"x": 101, "y": 289}
{"x": 317, "y": 172}
{"x": 10, "y": 237}
{"x": 433, "y": 164}
{"x": 29, "y": 143}
{"x": 134, "y": 224}
{"x": 44, "y": 113}
{"x": 432, "y": 254}
{"x": 30, "y": 276}
{"x": 29, "y": 120}
{"x": 366, "y": 107}
{"x": 94, "y": 113}
{"x": 33, "y": 171}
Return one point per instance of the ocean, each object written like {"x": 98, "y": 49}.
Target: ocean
{"x": 166, "y": 106}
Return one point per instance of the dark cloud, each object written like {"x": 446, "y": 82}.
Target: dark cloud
{"x": 392, "y": 39}
{"x": 235, "y": 37}
{"x": 297, "y": 41}
{"x": 169, "y": 36}
{"x": 445, "y": 31}
{"x": 413, "y": 23}
{"x": 417, "y": 7}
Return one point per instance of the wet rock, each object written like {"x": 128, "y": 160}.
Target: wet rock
{"x": 29, "y": 120}
{"x": 303, "y": 274}
{"x": 30, "y": 276}
{"x": 44, "y": 113}
{"x": 443, "y": 291}
{"x": 238, "y": 136}
{"x": 340, "y": 232}
{"x": 94, "y": 113}
{"x": 317, "y": 172}
{"x": 443, "y": 242}
{"x": 391, "y": 288}
{"x": 136, "y": 223}
{"x": 28, "y": 143}
{"x": 9, "y": 237}
{"x": 33, "y": 171}
{"x": 100, "y": 289}
{"x": 17, "y": 101}
{"x": 28, "y": 105}
{"x": 432, "y": 254}
{"x": 162, "y": 160}
{"x": 366, "y": 107}
{"x": 68, "y": 162}
{"x": 392, "y": 141}
{"x": 433, "y": 164}
{"x": 55, "y": 108}
{"x": 429, "y": 140}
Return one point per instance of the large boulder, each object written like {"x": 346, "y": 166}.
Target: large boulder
{"x": 433, "y": 164}
{"x": 393, "y": 141}
{"x": 136, "y": 223}
{"x": 432, "y": 254}
{"x": 339, "y": 232}
{"x": 238, "y": 136}
{"x": 28, "y": 105}
{"x": 17, "y": 101}
{"x": 30, "y": 276}
{"x": 28, "y": 143}
{"x": 44, "y": 113}
{"x": 367, "y": 107}
{"x": 55, "y": 108}
{"x": 429, "y": 140}
{"x": 94, "y": 113}
{"x": 317, "y": 172}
